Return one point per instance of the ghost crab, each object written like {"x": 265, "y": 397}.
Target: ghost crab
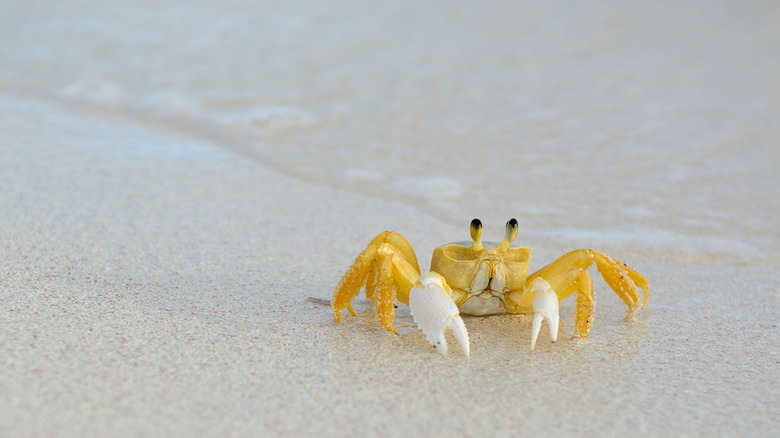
{"x": 480, "y": 278}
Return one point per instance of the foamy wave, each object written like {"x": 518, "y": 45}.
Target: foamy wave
{"x": 359, "y": 176}
{"x": 261, "y": 120}
{"x": 172, "y": 108}
{"x": 181, "y": 113}
{"x": 95, "y": 93}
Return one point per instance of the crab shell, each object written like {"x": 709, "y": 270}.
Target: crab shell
{"x": 481, "y": 274}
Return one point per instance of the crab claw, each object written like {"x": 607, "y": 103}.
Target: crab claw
{"x": 545, "y": 307}
{"x": 433, "y": 310}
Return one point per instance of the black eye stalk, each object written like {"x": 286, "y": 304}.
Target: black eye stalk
{"x": 476, "y": 234}
{"x": 510, "y": 236}
{"x": 476, "y": 229}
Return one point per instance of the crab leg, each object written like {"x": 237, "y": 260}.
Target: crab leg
{"x": 577, "y": 280}
{"x": 350, "y": 284}
{"x": 386, "y": 292}
{"x": 545, "y": 306}
{"x": 388, "y": 269}
{"x": 400, "y": 242}
{"x": 621, "y": 278}
{"x": 434, "y": 311}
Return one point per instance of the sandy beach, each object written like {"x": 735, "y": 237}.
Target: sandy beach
{"x": 176, "y": 183}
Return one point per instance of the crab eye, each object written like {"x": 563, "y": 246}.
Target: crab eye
{"x": 511, "y": 230}
{"x": 476, "y": 230}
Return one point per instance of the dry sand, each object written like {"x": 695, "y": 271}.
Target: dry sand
{"x": 158, "y": 249}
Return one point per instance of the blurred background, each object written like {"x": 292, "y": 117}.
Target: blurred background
{"x": 654, "y": 123}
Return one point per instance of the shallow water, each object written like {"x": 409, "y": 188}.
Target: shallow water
{"x": 647, "y": 126}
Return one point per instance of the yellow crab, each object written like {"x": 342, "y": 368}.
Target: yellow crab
{"x": 480, "y": 278}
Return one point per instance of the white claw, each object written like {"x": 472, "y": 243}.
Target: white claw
{"x": 434, "y": 311}
{"x": 545, "y": 307}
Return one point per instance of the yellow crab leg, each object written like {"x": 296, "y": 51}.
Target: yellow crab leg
{"x": 638, "y": 279}
{"x": 564, "y": 284}
{"x": 621, "y": 278}
{"x": 618, "y": 278}
{"x": 385, "y": 294}
{"x": 350, "y": 284}
{"x": 372, "y": 281}
{"x": 403, "y": 273}
{"x": 388, "y": 273}
{"x": 400, "y": 242}
{"x": 394, "y": 280}
{"x": 579, "y": 258}
{"x": 577, "y": 280}
{"x": 583, "y": 319}
{"x": 404, "y": 249}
